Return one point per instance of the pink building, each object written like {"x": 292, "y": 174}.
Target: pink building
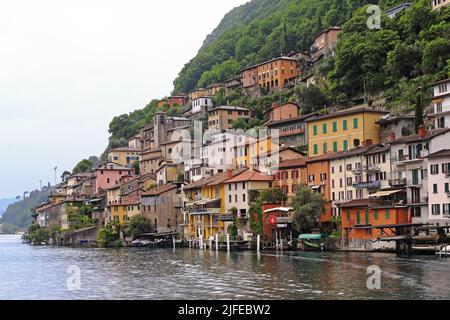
{"x": 109, "y": 175}
{"x": 439, "y": 187}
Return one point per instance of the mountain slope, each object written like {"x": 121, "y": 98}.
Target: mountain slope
{"x": 260, "y": 30}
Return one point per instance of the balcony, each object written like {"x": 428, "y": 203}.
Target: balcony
{"x": 205, "y": 211}
{"x": 372, "y": 168}
{"x": 291, "y": 133}
{"x": 397, "y": 182}
{"x": 412, "y": 183}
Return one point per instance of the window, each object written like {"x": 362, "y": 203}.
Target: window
{"x": 446, "y": 209}
{"x": 355, "y": 123}
{"x": 436, "y": 209}
{"x": 345, "y": 145}
{"x": 315, "y": 130}
{"x": 324, "y": 128}
{"x": 316, "y": 149}
{"x": 335, "y": 127}
{"x": 345, "y": 125}
{"x": 434, "y": 169}
{"x": 335, "y": 146}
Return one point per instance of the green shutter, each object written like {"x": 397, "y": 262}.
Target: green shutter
{"x": 334, "y": 126}
{"x": 335, "y": 146}
{"x": 324, "y": 128}
{"x": 345, "y": 125}
{"x": 355, "y": 123}
{"x": 315, "y": 130}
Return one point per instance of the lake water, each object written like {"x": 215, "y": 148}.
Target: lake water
{"x": 28, "y": 272}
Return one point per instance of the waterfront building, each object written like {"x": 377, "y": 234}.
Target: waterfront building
{"x": 319, "y": 182}
{"x": 410, "y": 168}
{"x": 204, "y": 206}
{"x": 439, "y": 187}
{"x": 292, "y": 174}
{"x": 222, "y": 118}
{"x": 163, "y": 207}
{"x": 125, "y": 157}
{"x": 240, "y": 192}
{"x": 343, "y": 130}
{"x": 347, "y": 182}
{"x": 441, "y": 103}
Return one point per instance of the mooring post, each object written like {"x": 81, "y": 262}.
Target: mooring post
{"x": 228, "y": 242}
{"x": 258, "y": 243}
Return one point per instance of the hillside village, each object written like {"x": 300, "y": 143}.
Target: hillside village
{"x": 383, "y": 177}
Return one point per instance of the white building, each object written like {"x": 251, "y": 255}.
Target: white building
{"x": 410, "y": 168}
{"x": 441, "y": 104}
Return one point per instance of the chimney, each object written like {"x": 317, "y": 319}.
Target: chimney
{"x": 392, "y": 137}
{"x": 229, "y": 174}
{"x": 422, "y": 132}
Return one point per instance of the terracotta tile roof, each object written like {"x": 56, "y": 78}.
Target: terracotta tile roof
{"x": 441, "y": 153}
{"x": 293, "y": 163}
{"x": 160, "y": 190}
{"x": 250, "y": 176}
{"x": 417, "y": 138}
{"x": 358, "y": 203}
{"x": 346, "y": 112}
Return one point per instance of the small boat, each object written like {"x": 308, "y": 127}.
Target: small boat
{"x": 444, "y": 251}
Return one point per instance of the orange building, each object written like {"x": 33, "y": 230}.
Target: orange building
{"x": 278, "y": 73}
{"x": 360, "y": 219}
{"x": 292, "y": 174}
{"x": 179, "y": 100}
{"x": 319, "y": 182}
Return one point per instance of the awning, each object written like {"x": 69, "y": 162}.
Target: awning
{"x": 384, "y": 193}
{"x": 282, "y": 209}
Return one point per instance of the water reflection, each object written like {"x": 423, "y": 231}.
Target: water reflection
{"x": 39, "y": 273}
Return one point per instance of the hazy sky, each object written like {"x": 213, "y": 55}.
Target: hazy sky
{"x": 67, "y": 67}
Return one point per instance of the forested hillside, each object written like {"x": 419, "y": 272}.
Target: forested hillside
{"x": 397, "y": 63}
{"x": 18, "y": 215}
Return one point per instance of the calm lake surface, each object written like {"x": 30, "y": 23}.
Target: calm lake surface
{"x": 40, "y": 273}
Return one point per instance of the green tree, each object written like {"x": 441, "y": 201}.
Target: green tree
{"x": 139, "y": 225}
{"x": 82, "y": 167}
{"x": 273, "y": 196}
{"x": 308, "y": 206}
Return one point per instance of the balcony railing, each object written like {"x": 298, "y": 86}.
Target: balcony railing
{"x": 205, "y": 211}
{"x": 398, "y": 182}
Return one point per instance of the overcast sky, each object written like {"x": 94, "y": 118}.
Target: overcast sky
{"x": 67, "y": 67}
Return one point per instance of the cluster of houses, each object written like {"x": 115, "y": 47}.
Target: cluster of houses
{"x": 371, "y": 168}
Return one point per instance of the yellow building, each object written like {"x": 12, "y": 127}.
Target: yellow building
{"x": 124, "y": 156}
{"x": 205, "y": 213}
{"x": 343, "y": 130}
